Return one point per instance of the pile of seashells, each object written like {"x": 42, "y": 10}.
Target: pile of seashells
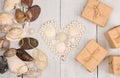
{"x": 18, "y": 61}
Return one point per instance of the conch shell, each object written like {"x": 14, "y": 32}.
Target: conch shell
{"x": 7, "y": 19}
{"x": 15, "y": 64}
{"x": 40, "y": 59}
{"x": 15, "y": 34}
{"x": 10, "y": 4}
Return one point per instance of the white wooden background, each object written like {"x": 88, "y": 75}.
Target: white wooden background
{"x": 64, "y": 11}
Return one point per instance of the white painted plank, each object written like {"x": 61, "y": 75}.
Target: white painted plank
{"x": 50, "y": 10}
{"x": 113, "y": 21}
{"x": 70, "y": 10}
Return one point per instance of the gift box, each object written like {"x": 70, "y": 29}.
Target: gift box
{"x": 113, "y": 37}
{"x": 114, "y": 64}
{"x": 96, "y": 12}
{"x": 91, "y": 55}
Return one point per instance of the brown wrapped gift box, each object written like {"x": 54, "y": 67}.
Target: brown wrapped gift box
{"x": 96, "y": 12}
{"x": 91, "y": 55}
{"x": 114, "y": 64}
{"x": 113, "y": 37}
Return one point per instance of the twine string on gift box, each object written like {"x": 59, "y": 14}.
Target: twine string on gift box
{"x": 92, "y": 55}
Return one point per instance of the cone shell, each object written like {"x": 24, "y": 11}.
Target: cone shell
{"x": 23, "y": 55}
{"x": 28, "y": 43}
{"x": 33, "y": 12}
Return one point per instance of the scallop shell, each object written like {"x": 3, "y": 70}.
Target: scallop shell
{"x": 10, "y": 4}
{"x": 40, "y": 59}
{"x": 7, "y": 19}
{"x": 15, "y": 34}
{"x": 28, "y": 43}
{"x": 27, "y": 2}
{"x": 61, "y": 37}
{"x": 33, "y": 12}
{"x": 23, "y": 55}
{"x": 3, "y": 64}
{"x": 20, "y": 16}
{"x": 10, "y": 52}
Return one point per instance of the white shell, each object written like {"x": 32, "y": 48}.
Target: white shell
{"x": 50, "y": 32}
{"x": 31, "y": 31}
{"x": 6, "y": 19}
{"x": 73, "y": 30}
{"x": 40, "y": 59}
{"x": 15, "y": 34}
{"x": 62, "y": 36}
{"x": 16, "y": 65}
{"x": 10, "y": 4}
{"x": 5, "y": 28}
{"x": 60, "y": 47}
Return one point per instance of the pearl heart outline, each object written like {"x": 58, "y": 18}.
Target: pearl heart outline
{"x": 52, "y": 41}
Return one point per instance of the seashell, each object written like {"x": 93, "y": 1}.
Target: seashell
{"x": 50, "y": 32}
{"x": 31, "y": 31}
{"x": 23, "y": 55}
{"x": 62, "y": 36}
{"x": 7, "y": 19}
{"x": 73, "y": 30}
{"x": 16, "y": 65}
{"x": 20, "y": 16}
{"x": 33, "y": 12}
{"x": 15, "y": 34}
{"x": 3, "y": 64}
{"x": 5, "y": 28}
{"x": 4, "y": 44}
{"x": 27, "y": 2}
{"x": 10, "y": 52}
{"x": 60, "y": 47}
{"x": 40, "y": 59}
{"x": 10, "y": 4}
{"x": 28, "y": 43}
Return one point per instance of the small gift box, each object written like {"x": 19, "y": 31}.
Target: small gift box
{"x": 113, "y": 37}
{"x": 96, "y": 12}
{"x": 114, "y": 64}
{"x": 91, "y": 55}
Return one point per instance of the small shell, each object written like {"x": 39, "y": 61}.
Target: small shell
{"x": 31, "y": 31}
{"x": 4, "y": 29}
{"x": 62, "y": 36}
{"x": 16, "y": 65}
{"x": 28, "y": 43}
{"x": 20, "y": 16}
{"x": 60, "y": 47}
{"x": 4, "y": 44}
{"x": 10, "y": 4}
{"x": 15, "y": 34}
{"x": 73, "y": 30}
{"x": 3, "y": 64}
{"x": 40, "y": 59}
{"x": 23, "y": 55}
{"x": 33, "y": 12}
{"x": 27, "y": 2}
{"x": 10, "y": 52}
{"x": 50, "y": 32}
{"x": 7, "y": 19}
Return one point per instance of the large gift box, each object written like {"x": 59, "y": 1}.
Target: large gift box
{"x": 96, "y": 12}
{"x": 113, "y": 37}
{"x": 91, "y": 55}
{"x": 114, "y": 64}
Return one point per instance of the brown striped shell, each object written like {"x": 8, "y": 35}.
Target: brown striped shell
{"x": 28, "y": 43}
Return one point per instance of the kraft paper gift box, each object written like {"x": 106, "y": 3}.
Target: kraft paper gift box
{"x": 91, "y": 55}
{"x": 114, "y": 64}
{"x": 96, "y": 12}
{"x": 113, "y": 37}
